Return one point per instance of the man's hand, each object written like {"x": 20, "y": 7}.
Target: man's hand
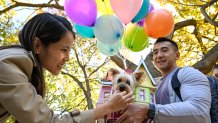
{"x": 135, "y": 113}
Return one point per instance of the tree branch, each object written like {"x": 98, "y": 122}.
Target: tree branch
{"x": 173, "y": 1}
{"x": 75, "y": 79}
{"x": 179, "y": 25}
{"x": 208, "y": 61}
{"x": 106, "y": 60}
{"x": 18, "y": 4}
{"x": 199, "y": 39}
{"x": 207, "y": 17}
{"x": 119, "y": 62}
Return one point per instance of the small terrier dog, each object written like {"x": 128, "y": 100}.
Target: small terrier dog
{"x": 121, "y": 82}
{"x": 124, "y": 82}
{"x": 127, "y": 82}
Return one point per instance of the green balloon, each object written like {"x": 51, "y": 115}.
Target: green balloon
{"x": 135, "y": 38}
{"x": 109, "y": 49}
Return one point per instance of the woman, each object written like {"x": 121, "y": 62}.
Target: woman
{"x": 45, "y": 41}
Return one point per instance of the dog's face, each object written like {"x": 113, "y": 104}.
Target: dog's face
{"x": 127, "y": 82}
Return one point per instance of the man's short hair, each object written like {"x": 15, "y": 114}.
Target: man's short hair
{"x": 164, "y": 39}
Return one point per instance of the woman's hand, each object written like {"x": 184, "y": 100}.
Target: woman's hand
{"x": 120, "y": 100}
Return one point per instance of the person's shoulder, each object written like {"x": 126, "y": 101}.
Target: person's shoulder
{"x": 16, "y": 56}
{"x": 188, "y": 69}
{"x": 15, "y": 62}
{"x": 15, "y": 53}
{"x": 190, "y": 73}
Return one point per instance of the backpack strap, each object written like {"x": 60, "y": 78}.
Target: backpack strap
{"x": 213, "y": 82}
{"x": 214, "y": 96}
{"x": 176, "y": 84}
{"x": 216, "y": 82}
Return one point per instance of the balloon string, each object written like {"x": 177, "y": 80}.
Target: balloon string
{"x": 108, "y": 16}
{"x": 105, "y": 8}
{"x": 123, "y": 59}
{"x": 145, "y": 43}
{"x": 124, "y": 62}
{"x": 124, "y": 34}
{"x": 134, "y": 36}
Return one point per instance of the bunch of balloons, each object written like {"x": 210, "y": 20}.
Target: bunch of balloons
{"x": 119, "y": 22}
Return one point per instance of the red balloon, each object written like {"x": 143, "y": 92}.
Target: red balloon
{"x": 159, "y": 23}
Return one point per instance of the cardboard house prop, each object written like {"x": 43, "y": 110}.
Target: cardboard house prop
{"x": 145, "y": 93}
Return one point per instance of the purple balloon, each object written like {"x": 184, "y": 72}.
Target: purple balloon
{"x": 151, "y": 8}
{"x": 141, "y": 23}
{"x": 82, "y": 12}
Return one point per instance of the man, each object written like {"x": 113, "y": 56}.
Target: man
{"x": 215, "y": 71}
{"x": 195, "y": 92}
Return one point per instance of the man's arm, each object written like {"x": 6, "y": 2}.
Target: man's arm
{"x": 195, "y": 92}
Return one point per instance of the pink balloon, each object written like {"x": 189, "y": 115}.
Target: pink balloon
{"x": 126, "y": 10}
{"x": 82, "y": 12}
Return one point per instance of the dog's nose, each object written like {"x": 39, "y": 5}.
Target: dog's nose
{"x": 122, "y": 87}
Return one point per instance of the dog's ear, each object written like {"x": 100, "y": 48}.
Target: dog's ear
{"x": 114, "y": 71}
{"x": 111, "y": 73}
{"x": 140, "y": 76}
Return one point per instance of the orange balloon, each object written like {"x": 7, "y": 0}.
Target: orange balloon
{"x": 159, "y": 23}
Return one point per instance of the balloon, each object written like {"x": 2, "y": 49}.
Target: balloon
{"x": 135, "y": 38}
{"x": 159, "y": 23}
{"x": 142, "y": 12}
{"x": 82, "y": 12}
{"x": 141, "y": 23}
{"x": 104, "y": 7}
{"x": 108, "y": 29}
{"x": 151, "y": 8}
{"x": 126, "y": 10}
{"x": 84, "y": 31}
{"x": 109, "y": 49}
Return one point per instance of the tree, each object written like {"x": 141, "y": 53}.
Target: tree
{"x": 83, "y": 55}
{"x": 195, "y": 31}
{"x": 6, "y": 27}
{"x": 199, "y": 43}
{"x": 81, "y": 73}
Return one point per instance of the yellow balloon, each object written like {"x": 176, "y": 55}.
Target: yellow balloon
{"x": 104, "y": 7}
